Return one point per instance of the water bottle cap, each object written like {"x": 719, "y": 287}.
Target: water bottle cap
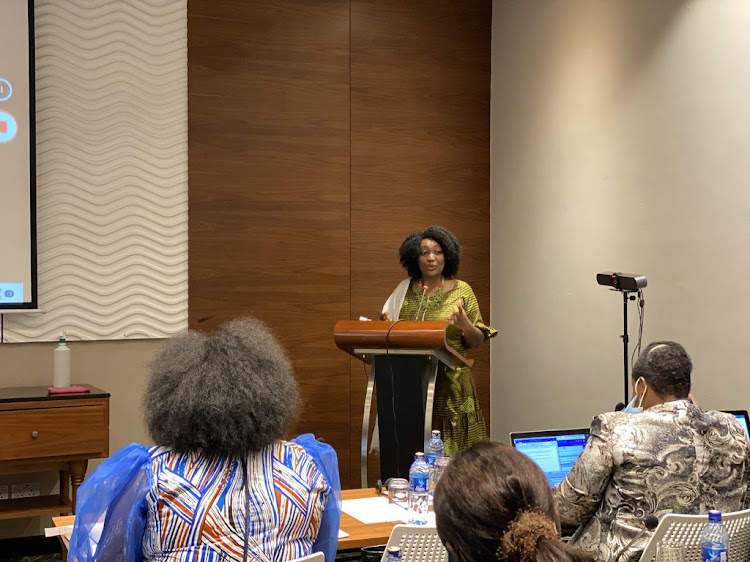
{"x": 418, "y": 456}
{"x": 394, "y": 550}
{"x": 714, "y": 516}
{"x": 436, "y": 433}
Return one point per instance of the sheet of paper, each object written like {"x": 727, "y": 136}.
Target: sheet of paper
{"x": 343, "y": 534}
{"x": 378, "y": 510}
{"x": 95, "y": 533}
{"x": 56, "y": 531}
{"x": 374, "y": 510}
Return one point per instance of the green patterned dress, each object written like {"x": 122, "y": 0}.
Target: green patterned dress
{"x": 456, "y": 411}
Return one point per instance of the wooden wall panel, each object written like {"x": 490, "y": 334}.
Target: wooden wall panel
{"x": 269, "y": 184}
{"x": 420, "y": 103}
{"x": 297, "y": 209}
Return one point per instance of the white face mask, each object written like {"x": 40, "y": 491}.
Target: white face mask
{"x": 631, "y": 408}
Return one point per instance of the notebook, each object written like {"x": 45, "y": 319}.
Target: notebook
{"x": 554, "y": 451}
{"x": 741, "y": 416}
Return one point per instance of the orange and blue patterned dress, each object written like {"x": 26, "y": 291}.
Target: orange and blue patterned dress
{"x": 176, "y": 507}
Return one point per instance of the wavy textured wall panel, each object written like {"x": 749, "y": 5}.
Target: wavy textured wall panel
{"x": 112, "y": 171}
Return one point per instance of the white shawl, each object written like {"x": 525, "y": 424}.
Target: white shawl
{"x": 393, "y": 305}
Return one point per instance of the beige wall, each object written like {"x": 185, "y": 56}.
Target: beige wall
{"x": 620, "y": 133}
{"x": 144, "y": 240}
{"x": 117, "y": 367}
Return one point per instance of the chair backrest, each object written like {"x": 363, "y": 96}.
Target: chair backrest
{"x": 314, "y": 557}
{"x": 418, "y": 544}
{"x": 686, "y": 529}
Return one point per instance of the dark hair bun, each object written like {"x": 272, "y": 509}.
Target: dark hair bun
{"x": 523, "y": 535}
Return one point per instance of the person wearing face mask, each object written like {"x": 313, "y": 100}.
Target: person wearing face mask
{"x": 663, "y": 455}
{"x": 635, "y": 406}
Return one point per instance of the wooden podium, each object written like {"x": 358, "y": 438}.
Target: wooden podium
{"x": 407, "y": 354}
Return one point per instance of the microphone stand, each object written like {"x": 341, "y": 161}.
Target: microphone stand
{"x": 626, "y": 283}
{"x": 625, "y": 344}
{"x": 626, "y": 296}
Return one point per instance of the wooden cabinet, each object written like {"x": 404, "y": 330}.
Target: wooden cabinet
{"x": 41, "y": 432}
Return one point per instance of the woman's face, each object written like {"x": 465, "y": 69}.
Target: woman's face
{"x": 431, "y": 258}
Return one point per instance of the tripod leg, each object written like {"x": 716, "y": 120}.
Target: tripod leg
{"x": 625, "y": 344}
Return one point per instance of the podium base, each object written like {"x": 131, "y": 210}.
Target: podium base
{"x": 401, "y": 412}
{"x": 405, "y": 392}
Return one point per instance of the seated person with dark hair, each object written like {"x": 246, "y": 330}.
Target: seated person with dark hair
{"x": 661, "y": 455}
{"x": 494, "y": 504}
{"x": 220, "y": 484}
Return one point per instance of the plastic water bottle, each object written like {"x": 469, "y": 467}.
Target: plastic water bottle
{"x": 418, "y": 495}
{"x": 436, "y": 472}
{"x": 61, "y": 374}
{"x": 393, "y": 554}
{"x": 714, "y": 539}
{"x": 435, "y": 447}
{"x": 435, "y": 450}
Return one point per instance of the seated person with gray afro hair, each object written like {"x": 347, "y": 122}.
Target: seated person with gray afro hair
{"x": 220, "y": 484}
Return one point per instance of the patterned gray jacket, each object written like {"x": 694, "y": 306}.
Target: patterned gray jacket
{"x": 671, "y": 458}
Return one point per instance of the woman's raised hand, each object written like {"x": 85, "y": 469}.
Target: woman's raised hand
{"x": 459, "y": 317}
{"x": 472, "y": 335}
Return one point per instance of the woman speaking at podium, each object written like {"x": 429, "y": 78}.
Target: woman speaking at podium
{"x": 432, "y": 292}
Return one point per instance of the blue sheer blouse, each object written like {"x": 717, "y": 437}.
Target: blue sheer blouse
{"x": 152, "y": 503}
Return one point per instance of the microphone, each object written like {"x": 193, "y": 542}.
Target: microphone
{"x": 424, "y": 291}
{"x": 651, "y": 522}
{"x": 619, "y": 407}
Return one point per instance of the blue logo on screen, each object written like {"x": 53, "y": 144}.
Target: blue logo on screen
{"x": 6, "y": 90}
{"x": 11, "y": 293}
{"x": 8, "y": 127}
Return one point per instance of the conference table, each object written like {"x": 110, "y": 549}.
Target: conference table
{"x": 359, "y": 534}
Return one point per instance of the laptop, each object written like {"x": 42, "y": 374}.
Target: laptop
{"x": 742, "y": 417}
{"x": 555, "y": 451}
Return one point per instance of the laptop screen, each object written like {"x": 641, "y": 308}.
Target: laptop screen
{"x": 555, "y": 451}
{"x": 741, "y": 416}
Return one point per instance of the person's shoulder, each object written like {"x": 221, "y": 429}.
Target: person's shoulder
{"x": 290, "y": 452}
{"x": 135, "y": 448}
{"x": 615, "y": 417}
{"x": 656, "y": 414}
{"x": 607, "y": 420}
{"x": 463, "y": 286}
{"x": 159, "y": 450}
{"x": 718, "y": 418}
{"x": 404, "y": 284}
{"x": 163, "y": 454}
{"x": 308, "y": 446}
{"x": 725, "y": 427}
{"x": 130, "y": 454}
{"x": 612, "y": 422}
{"x": 294, "y": 457}
{"x": 289, "y": 446}
{"x": 121, "y": 465}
